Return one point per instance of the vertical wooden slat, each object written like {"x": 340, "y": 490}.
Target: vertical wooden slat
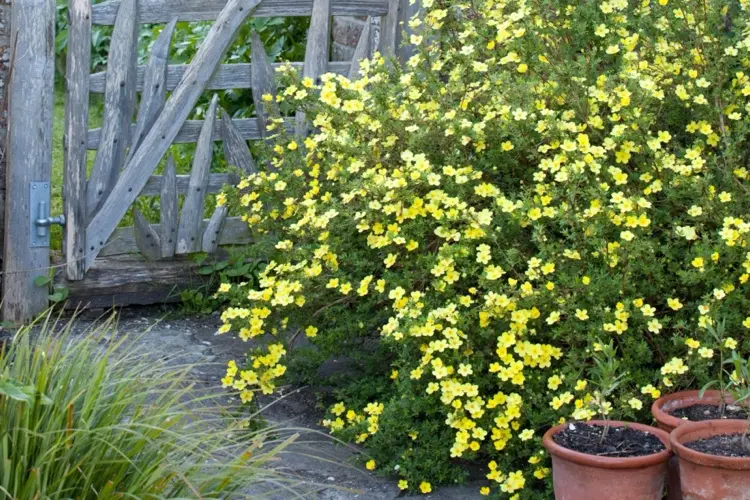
{"x": 29, "y": 150}
{"x": 236, "y": 151}
{"x": 78, "y": 65}
{"x": 145, "y": 237}
{"x": 154, "y": 86}
{"x": 362, "y": 51}
{"x": 389, "y": 28}
{"x": 213, "y": 229}
{"x": 263, "y": 81}
{"x": 168, "y": 222}
{"x": 119, "y": 104}
{"x": 168, "y": 125}
{"x": 317, "y": 52}
{"x": 407, "y": 10}
{"x": 188, "y": 233}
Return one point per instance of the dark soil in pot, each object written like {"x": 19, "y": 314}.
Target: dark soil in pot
{"x": 701, "y": 412}
{"x": 620, "y": 442}
{"x": 723, "y": 445}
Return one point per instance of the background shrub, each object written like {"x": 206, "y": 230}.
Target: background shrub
{"x": 543, "y": 178}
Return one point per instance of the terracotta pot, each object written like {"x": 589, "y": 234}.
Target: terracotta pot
{"x": 669, "y": 403}
{"x": 660, "y": 410}
{"x": 709, "y": 477}
{"x": 578, "y": 476}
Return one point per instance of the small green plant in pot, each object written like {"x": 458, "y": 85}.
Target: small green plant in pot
{"x": 713, "y": 401}
{"x": 607, "y": 458}
{"x": 714, "y": 455}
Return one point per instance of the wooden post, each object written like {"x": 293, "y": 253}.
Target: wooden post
{"x": 30, "y": 111}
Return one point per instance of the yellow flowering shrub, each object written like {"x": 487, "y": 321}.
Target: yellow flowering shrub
{"x": 541, "y": 179}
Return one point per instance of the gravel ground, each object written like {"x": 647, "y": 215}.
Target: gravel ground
{"x": 323, "y": 467}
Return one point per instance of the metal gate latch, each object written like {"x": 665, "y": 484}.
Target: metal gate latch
{"x": 40, "y": 220}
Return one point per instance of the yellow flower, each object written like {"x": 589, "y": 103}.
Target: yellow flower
{"x": 554, "y": 382}
{"x": 403, "y": 484}
{"x": 698, "y": 262}
{"x": 225, "y": 287}
{"x": 705, "y": 352}
{"x": 582, "y": 314}
{"x": 390, "y": 260}
{"x": 526, "y": 434}
{"x": 674, "y": 304}
{"x": 692, "y": 343}
{"x": 293, "y": 146}
{"x": 370, "y": 465}
{"x": 311, "y": 331}
{"x": 484, "y": 490}
{"x": 730, "y": 343}
{"x": 425, "y": 487}
{"x": 635, "y": 403}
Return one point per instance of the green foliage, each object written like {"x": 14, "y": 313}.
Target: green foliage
{"x": 540, "y": 177}
{"x": 94, "y": 416}
{"x": 235, "y": 267}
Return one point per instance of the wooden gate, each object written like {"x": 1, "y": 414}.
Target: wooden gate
{"x": 146, "y": 110}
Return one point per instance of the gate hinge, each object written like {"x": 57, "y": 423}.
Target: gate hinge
{"x": 39, "y": 216}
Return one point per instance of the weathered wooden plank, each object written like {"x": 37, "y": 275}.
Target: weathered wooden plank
{"x": 188, "y": 233}
{"x": 263, "y": 83}
{"x": 228, "y": 76}
{"x": 407, "y": 10}
{"x": 317, "y": 52}
{"x": 162, "y": 11}
{"x": 155, "y": 88}
{"x": 119, "y": 104}
{"x": 389, "y": 28}
{"x": 236, "y": 151}
{"x": 216, "y": 183}
{"x": 131, "y": 280}
{"x": 122, "y": 241}
{"x": 29, "y": 152}
{"x": 190, "y": 131}
{"x": 146, "y": 238}
{"x": 168, "y": 210}
{"x": 212, "y": 234}
{"x": 362, "y": 51}
{"x": 77, "y": 66}
{"x": 164, "y": 131}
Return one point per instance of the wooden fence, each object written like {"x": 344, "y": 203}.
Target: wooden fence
{"x": 145, "y": 111}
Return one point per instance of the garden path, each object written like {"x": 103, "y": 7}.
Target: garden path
{"x": 323, "y": 467}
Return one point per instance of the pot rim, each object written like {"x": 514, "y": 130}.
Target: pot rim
{"x": 681, "y": 399}
{"x": 684, "y": 433}
{"x": 609, "y": 462}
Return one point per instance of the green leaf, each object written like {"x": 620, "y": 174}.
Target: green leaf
{"x": 10, "y": 389}
{"x": 706, "y": 387}
{"x": 42, "y": 281}
{"x": 59, "y": 296}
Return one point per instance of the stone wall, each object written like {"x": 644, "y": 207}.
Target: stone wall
{"x": 346, "y": 33}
